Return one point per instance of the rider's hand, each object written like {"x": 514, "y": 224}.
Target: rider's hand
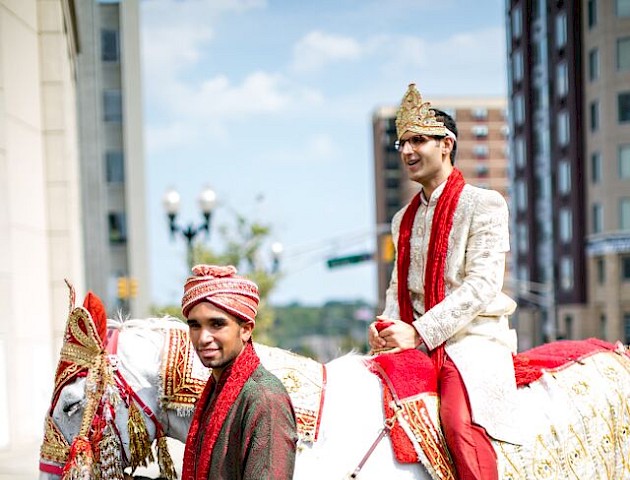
{"x": 396, "y": 337}
{"x": 375, "y": 341}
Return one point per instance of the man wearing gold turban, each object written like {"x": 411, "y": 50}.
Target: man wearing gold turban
{"x": 244, "y": 424}
{"x": 445, "y": 290}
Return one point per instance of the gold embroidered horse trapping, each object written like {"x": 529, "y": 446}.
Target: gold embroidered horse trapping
{"x": 183, "y": 377}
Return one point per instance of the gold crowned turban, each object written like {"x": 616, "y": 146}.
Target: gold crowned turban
{"x": 416, "y": 116}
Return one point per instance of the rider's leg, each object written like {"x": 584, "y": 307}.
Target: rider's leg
{"x": 468, "y": 443}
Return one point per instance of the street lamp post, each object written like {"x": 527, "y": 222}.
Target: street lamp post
{"x": 276, "y": 252}
{"x": 171, "y": 202}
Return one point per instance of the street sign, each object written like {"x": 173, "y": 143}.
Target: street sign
{"x": 349, "y": 259}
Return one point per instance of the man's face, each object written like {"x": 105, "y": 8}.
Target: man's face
{"x": 425, "y": 158}
{"x": 217, "y": 336}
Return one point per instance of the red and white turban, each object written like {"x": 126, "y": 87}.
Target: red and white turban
{"x": 220, "y": 286}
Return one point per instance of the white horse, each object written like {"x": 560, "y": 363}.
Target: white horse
{"x": 577, "y": 417}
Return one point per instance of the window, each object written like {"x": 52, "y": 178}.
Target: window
{"x": 112, "y": 106}
{"x": 625, "y": 267}
{"x": 593, "y": 64}
{"x": 519, "y": 109}
{"x": 562, "y": 79}
{"x": 522, "y": 241}
{"x": 568, "y": 326}
{"x": 392, "y": 183}
{"x": 566, "y": 273}
{"x": 624, "y": 213}
{"x": 563, "y": 128}
{"x": 519, "y": 152}
{"x": 600, "y": 265}
{"x": 623, "y": 8}
{"x": 594, "y": 116}
{"x": 521, "y": 195}
{"x": 114, "y": 167}
{"x": 626, "y": 327}
{"x": 535, "y": 58}
{"x": 598, "y": 218}
{"x": 480, "y": 113}
{"x": 623, "y": 54}
{"x": 517, "y": 65}
{"x": 517, "y": 21}
{"x": 117, "y": 227}
{"x": 623, "y": 105}
{"x": 110, "y": 49}
{"x": 482, "y": 170}
{"x": 596, "y": 167}
{"x": 480, "y": 131}
{"x": 624, "y": 161}
{"x": 535, "y": 10}
{"x": 561, "y": 30}
{"x": 592, "y": 13}
{"x": 481, "y": 151}
{"x": 564, "y": 177}
{"x": 602, "y": 326}
{"x": 566, "y": 227}
{"x": 523, "y": 273}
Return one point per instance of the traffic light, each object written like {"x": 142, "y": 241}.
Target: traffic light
{"x": 387, "y": 248}
{"x": 349, "y": 259}
{"x": 133, "y": 288}
{"x": 123, "y": 287}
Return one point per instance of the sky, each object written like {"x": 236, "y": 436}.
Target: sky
{"x": 269, "y": 103}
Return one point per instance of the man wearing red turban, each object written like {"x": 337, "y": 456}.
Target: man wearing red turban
{"x": 244, "y": 424}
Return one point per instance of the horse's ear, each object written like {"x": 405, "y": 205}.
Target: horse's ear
{"x": 94, "y": 305}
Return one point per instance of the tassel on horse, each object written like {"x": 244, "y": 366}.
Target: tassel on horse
{"x": 139, "y": 440}
{"x": 81, "y": 461}
{"x": 110, "y": 453}
{"x": 165, "y": 462}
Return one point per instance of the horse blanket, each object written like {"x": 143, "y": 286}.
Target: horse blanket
{"x": 573, "y": 393}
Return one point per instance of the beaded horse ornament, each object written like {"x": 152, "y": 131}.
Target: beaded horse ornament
{"x": 96, "y": 450}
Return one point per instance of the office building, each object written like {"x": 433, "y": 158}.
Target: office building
{"x": 112, "y": 155}
{"x": 569, "y": 103}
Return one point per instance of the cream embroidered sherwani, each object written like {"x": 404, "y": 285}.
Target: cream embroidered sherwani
{"x": 472, "y": 319}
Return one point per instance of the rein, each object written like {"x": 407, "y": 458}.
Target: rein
{"x": 387, "y": 425}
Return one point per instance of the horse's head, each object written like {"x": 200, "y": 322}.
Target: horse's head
{"x": 104, "y": 414}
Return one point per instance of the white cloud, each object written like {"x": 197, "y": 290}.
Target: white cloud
{"x": 176, "y": 33}
{"x": 217, "y": 99}
{"x": 206, "y": 109}
{"x": 317, "y": 49}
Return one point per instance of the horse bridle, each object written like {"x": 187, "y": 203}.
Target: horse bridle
{"x": 60, "y": 449}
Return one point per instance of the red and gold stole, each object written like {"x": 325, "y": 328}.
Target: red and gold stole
{"x": 228, "y": 389}
{"x": 436, "y": 256}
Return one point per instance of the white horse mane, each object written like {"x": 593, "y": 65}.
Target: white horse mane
{"x": 152, "y": 323}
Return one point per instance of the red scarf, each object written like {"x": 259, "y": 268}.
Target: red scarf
{"x": 436, "y": 256}
{"x": 228, "y": 389}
